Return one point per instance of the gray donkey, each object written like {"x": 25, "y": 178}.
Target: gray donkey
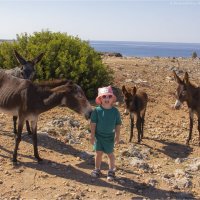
{"x": 26, "y": 100}
{"x": 25, "y": 71}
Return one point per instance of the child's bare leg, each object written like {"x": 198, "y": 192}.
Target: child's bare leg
{"x": 111, "y": 157}
{"x": 111, "y": 172}
{"x": 98, "y": 159}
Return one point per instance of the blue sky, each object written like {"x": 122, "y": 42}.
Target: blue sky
{"x": 116, "y": 20}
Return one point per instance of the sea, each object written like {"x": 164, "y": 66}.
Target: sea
{"x": 147, "y": 49}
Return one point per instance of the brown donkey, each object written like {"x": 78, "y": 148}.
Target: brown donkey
{"x": 21, "y": 98}
{"x": 135, "y": 103}
{"x": 189, "y": 93}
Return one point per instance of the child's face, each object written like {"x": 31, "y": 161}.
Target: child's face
{"x": 107, "y": 100}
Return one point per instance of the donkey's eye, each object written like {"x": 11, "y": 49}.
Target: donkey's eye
{"x": 79, "y": 95}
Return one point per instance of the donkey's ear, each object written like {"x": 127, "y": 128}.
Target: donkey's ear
{"x": 177, "y": 78}
{"x": 186, "y": 78}
{"x": 38, "y": 58}
{"x": 134, "y": 90}
{"x": 124, "y": 91}
{"x": 21, "y": 60}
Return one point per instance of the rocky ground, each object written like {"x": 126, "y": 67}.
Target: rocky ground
{"x": 161, "y": 167}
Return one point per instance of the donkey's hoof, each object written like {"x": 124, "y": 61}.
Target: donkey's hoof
{"x": 15, "y": 162}
{"x": 139, "y": 141}
{"x": 187, "y": 142}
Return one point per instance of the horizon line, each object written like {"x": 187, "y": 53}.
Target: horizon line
{"x": 97, "y": 40}
{"x": 144, "y": 41}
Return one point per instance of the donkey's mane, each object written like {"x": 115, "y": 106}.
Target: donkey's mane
{"x": 52, "y": 83}
{"x": 46, "y": 86}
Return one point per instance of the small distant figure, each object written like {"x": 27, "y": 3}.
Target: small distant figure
{"x": 136, "y": 104}
{"x": 105, "y": 130}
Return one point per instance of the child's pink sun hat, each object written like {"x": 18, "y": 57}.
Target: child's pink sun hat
{"x": 105, "y": 91}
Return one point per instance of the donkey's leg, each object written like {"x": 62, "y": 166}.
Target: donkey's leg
{"x": 191, "y": 126}
{"x": 142, "y": 127}
{"x": 142, "y": 114}
{"x": 34, "y": 137}
{"x": 138, "y": 125}
{"x": 199, "y": 128}
{"x": 18, "y": 138}
{"x": 132, "y": 126}
{"x": 28, "y": 127}
{"x": 15, "y": 124}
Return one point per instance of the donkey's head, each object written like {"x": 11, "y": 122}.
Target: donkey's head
{"x": 181, "y": 91}
{"x": 28, "y": 67}
{"x": 74, "y": 98}
{"x": 129, "y": 98}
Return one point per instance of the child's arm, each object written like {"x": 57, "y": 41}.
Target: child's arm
{"x": 117, "y": 134}
{"x": 92, "y": 128}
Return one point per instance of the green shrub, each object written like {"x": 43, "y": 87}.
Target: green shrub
{"x": 194, "y": 55}
{"x": 65, "y": 57}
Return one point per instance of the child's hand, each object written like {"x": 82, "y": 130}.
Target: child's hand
{"x": 116, "y": 140}
{"x": 92, "y": 140}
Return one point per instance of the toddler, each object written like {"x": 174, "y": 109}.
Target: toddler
{"x": 105, "y": 130}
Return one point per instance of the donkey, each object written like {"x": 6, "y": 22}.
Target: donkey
{"x": 135, "y": 103}
{"x": 25, "y": 71}
{"x": 27, "y": 101}
{"x": 27, "y": 68}
{"x": 189, "y": 93}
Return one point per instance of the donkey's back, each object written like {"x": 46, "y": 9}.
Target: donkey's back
{"x": 17, "y": 72}
{"x": 11, "y": 90}
{"x": 141, "y": 100}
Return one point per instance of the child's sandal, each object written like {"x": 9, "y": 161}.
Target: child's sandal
{"x": 111, "y": 175}
{"x": 96, "y": 173}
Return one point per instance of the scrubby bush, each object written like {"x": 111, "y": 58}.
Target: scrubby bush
{"x": 194, "y": 55}
{"x": 65, "y": 57}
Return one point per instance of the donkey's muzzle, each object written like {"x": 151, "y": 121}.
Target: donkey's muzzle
{"x": 177, "y": 105}
{"x": 88, "y": 115}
